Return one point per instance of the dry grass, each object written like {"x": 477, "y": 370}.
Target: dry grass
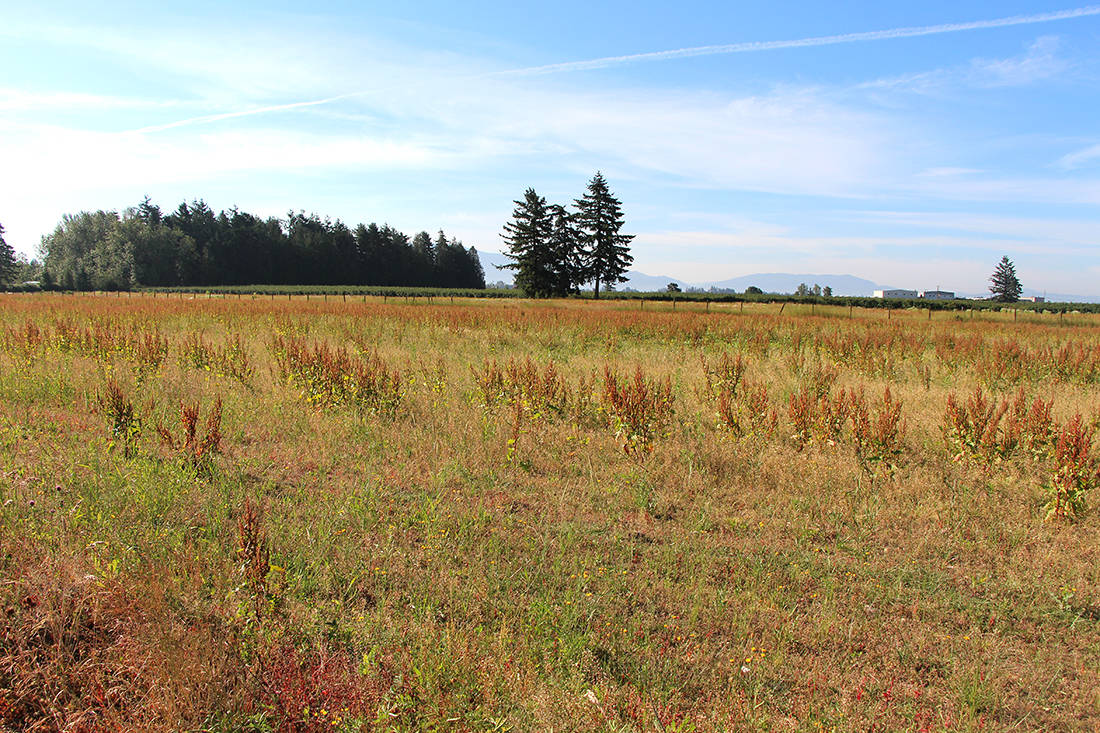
{"x": 221, "y": 514}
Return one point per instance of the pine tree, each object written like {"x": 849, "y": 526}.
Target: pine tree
{"x": 7, "y": 260}
{"x": 565, "y": 246}
{"x": 599, "y": 218}
{"x": 528, "y": 239}
{"x": 1005, "y": 285}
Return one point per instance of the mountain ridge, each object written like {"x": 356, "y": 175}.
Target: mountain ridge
{"x": 769, "y": 282}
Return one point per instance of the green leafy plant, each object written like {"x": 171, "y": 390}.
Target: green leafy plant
{"x": 122, "y": 422}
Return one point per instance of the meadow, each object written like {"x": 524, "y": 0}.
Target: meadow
{"x": 258, "y": 514}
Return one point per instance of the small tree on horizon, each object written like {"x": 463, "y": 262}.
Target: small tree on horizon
{"x": 599, "y": 219}
{"x": 1005, "y": 285}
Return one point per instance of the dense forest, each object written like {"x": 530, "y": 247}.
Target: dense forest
{"x": 144, "y": 247}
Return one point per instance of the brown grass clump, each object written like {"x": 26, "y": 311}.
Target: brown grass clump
{"x": 1076, "y": 472}
{"x": 640, "y": 409}
{"x": 80, "y": 652}
{"x": 195, "y": 446}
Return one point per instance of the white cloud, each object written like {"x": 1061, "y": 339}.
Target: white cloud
{"x": 1021, "y": 189}
{"x": 1039, "y": 63}
{"x": 1080, "y": 158}
{"x": 947, "y": 171}
{"x": 1036, "y": 234}
{"x": 22, "y": 100}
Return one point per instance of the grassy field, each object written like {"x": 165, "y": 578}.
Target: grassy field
{"x": 255, "y": 514}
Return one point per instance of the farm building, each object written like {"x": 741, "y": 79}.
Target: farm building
{"x": 937, "y": 295}
{"x": 904, "y": 294}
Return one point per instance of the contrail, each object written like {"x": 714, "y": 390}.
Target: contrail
{"x": 246, "y": 112}
{"x": 680, "y": 53}
{"x": 753, "y": 46}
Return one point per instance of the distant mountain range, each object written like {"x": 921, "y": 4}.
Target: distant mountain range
{"x": 769, "y": 282}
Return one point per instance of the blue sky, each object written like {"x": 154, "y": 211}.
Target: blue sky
{"x": 909, "y": 143}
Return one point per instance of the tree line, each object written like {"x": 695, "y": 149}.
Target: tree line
{"x": 555, "y": 251}
{"x": 193, "y": 246}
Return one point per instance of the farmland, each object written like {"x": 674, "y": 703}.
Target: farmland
{"x": 362, "y": 514}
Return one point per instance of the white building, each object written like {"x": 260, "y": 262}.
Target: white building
{"x": 1034, "y": 298}
{"x": 903, "y": 294}
{"x": 937, "y": 295}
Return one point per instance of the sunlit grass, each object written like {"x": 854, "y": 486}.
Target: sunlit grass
{"x": 519, "y": 515}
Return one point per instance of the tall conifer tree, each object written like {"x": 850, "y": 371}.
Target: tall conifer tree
{"x": 528, "y": 240}
{"x": 1005, "y": 286}
{"x": 565, "y": 246}
{"x": 599, "y": 218}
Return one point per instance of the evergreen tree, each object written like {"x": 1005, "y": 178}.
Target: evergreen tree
{"x": 149, "y": 212}
{"x": 194, "y": 246}
{"x": 528, "y": 239}
{"x": 475, "y": 272}
{"x": 424, "y": 253}
{"x": 599, "y": 218}
{"x": 1005, "y": 285}
{"x": 368, "y": 248}
{"x": 565, "y": 249}
{"x": 7, "y": 260}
